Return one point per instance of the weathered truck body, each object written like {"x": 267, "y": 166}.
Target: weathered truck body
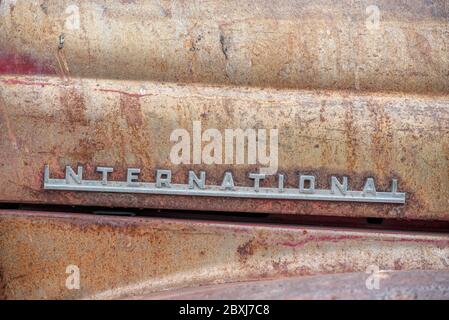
{"x": 135, "y": 108}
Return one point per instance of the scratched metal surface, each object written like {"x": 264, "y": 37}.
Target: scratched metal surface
{"x": 98, "y": 104}
{"x": 126, "y": 257}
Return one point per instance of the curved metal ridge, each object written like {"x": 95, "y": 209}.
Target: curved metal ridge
{"x": 386, "y": 46}
{"x": 393, "y": 285}
{"x": 120, "y": 257}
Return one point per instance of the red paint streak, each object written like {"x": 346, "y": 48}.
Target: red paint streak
{"x": 26, "y": 82}
{"x": 130, "y": 94}
{"x": 22, "y": 64}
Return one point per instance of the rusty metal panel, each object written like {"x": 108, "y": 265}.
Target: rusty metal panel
{"x": 126, "y": 124}
{"x": 286, "y": 44}
{"x": 103, "y": 83}
{"x": 67, "y": 118}
{"x": 123, "y": 257}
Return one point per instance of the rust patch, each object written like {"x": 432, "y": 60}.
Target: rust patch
{"x": 419, "y": 48}
{"x": 351, "y": 136}
{"x": 382, "y": 139}
{"x": 246, "y": 250}
{"x": 14, "y": 63}
{"x": 131, "y": 111}
{"x": 74, "y": 106}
